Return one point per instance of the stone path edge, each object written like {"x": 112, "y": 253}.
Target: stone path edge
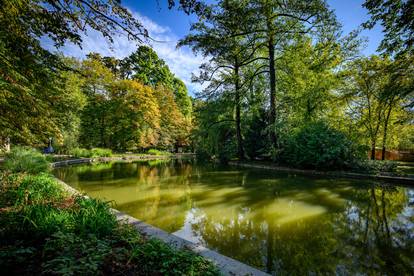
{"x": 226, "y": 265}
{"x": 336, "y": 174}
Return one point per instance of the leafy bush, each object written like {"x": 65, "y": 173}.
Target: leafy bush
{"x": 174, "y": 263}
{"x": 157, "y": 152}
{"x": 79, "y": 152}
{"x": 23, "y": 159}
{"x": 92, "y": 153}
{"x": 93, "y": 216}
{"x": 100, "y": 152}
{"x": 319, "y": 146}
{"x": 38, "y": 189}
{"x": 70, "y": 254}
{"x": 375, "y": 166}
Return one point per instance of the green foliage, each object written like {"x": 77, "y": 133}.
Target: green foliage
{"x": 92, "y": 153}
{"x": 70, "y": 254}
{"x": 93, "y": 217}
{"x": 157, "y": 152}
{"x": 45, "y": 231}
{"x": 79, "y": 152}
{"x": 129, "y": 113}
{"x": 256, "y": 140}
{"x": 396, "y": 18}
{"x": 320, "y": 146}
{"x": 380, "y": 96}
{"x": 375, "y": 166}
{"x": 37, "y": 96}
{"x": 145, "y": 66}
{"x": 24, "y": 159}
{"x": 99, "y": 152}
{"x": 175, "y": 263}
{"x": 38, "y": 189}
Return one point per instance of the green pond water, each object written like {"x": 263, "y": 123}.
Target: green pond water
{"x": 278, "y": 222}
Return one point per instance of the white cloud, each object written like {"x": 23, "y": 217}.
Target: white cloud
{"x": 182, "y": 61}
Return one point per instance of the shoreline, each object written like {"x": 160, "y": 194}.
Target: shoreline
{"x": 336, "y": 174}
{"x": 126, "y": 158}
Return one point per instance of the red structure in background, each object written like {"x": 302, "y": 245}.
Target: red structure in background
{"x": 395, "y": 155}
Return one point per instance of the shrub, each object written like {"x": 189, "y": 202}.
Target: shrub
{"x": 157, "y": 152}
{"x": 375, "y": 166}
{"x": 80, "y": 152}
{"x": 100, "y": 152}
{"x": 175, "y": 262}
{"x": 93, "y": 153}
{"x": 69, "y": 254}
{"x": 38, "y": 189}
{"x": 93, "y": 216}
{"x": 23, "y": 159}
{"x": 319, "y": 146}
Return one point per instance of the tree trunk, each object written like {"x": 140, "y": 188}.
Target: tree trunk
{"x": 240, "y": 151}
{"x": 102, "y": 132}
{"x": 272, "y": 73}
{"x": 373, "y": 151}
{"x": 384, "y": 138}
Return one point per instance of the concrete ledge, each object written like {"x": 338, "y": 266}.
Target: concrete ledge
{"x": 337, "y": 174}
{"x": 226, "y": 265}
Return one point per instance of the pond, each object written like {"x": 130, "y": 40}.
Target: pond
{"x": 278, "y": 222}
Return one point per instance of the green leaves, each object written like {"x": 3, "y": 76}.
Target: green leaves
{"x": 397, "y": 19}
{"x": 319, "y": 146}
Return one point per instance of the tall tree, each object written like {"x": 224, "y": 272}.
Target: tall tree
{"x": 27, "y": 96}
{"x": 145, "y": 66}
{"x": 380, "y": 86}
{"x": 226, "y": 57}
{"x": 276, "y": 22}
{"x": 397, "y": 19}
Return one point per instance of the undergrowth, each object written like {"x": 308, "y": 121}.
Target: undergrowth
{"x": 90, "y": 153}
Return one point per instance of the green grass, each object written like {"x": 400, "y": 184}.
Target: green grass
{"x": 158, "y": 152}
{"x": 92, "y": 153}
{"x": 23, "y": 159}
{"x": 45, "y": 230}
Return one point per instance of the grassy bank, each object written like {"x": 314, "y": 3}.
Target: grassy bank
{"x": 45, "y": 230}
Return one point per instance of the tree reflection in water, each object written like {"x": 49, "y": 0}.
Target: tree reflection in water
{"x": 280, "y": 223}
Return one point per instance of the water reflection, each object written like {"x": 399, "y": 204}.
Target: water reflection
{"x": 280, "y": 223}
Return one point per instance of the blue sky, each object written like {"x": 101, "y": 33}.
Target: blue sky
{"x": 171, "y": 25}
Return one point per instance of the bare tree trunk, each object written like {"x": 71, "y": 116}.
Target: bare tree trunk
{"x": 240, "y": 151}
{"x": 373, "y": 151}
{"x": 384, "y": 139}
{"x": 272, "y": 73}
